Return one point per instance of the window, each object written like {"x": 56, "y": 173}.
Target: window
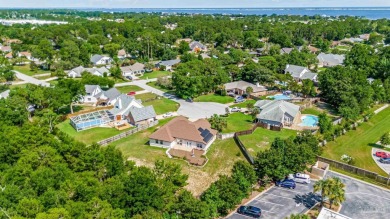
{"x": 161, "y": 142}
{"x": 199, "y": 145}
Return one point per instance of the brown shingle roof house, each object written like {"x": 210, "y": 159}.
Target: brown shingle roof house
{"x": 182, "y": 132}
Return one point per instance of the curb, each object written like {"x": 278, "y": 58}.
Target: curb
{"x": 361, "y": 181}
{"x": 261, "y": 193}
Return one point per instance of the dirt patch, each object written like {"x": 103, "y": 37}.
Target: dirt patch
{"x": 140, "y": 162}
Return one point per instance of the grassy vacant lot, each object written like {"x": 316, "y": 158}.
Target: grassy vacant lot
{"x": 222, "y": 156}
{"x": 238, "y": 122}
{"x": 262, "y": 139}
{"x": 25, "y": 69}
{"x": 358, "y": 143}
{"x": 155, "y": 74}
{"x": 127, "y": 89}
{"x": 88, "y": 136}
{"x": 161, "y": 105}
{"x": 214, "y": 98}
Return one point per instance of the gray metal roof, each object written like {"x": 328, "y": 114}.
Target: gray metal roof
{"x": 309, "y": 75}
{"x": 330, "y": 59}
{"x": 123, "y": 101}
{"x": 112, "y": 93}
{"x": 300, "y": 72}
{"x": 95, "y": 58}
{"x": 275, "y": 110}
{"x": 144, "y": 113}
{"x": 90, "y": 88}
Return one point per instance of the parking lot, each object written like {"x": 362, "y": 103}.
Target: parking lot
{"x": 279, "y": 203}
{"x": 363, "y": 200}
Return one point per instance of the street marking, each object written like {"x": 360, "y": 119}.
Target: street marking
{"x": 268, "y": 211}
{"x": 269, "y": 202}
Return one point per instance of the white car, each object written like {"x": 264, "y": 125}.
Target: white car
{"x": 302, "y": 178}
{"x": 169, "y": 114}
{"x": 235, "y": 109}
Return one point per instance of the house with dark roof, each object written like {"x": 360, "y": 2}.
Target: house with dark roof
{"x": 184, "y": 133}
{"x": 277, "y": 112}
{"x": 168, "y": 64}
{"x": 196, "y": 46}
{"x": 96, "y": 96}
{"x": 239, "y": 88}
{"x": 330, "y": 60}
{"x": 300, "y": 73}
{"x": 100, "y": 60}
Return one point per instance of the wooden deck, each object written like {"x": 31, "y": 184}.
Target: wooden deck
{"x": 193, "y": 157}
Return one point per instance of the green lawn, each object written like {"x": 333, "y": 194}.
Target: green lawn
{"x": 358, "y": 143}
{"x": 127, "y": 89}
{"x": 161, "y": 105}
{"x": 25, "y": 69}
{"x": 244, "y": 104}
{"x": 311, "y": 111}
{"x": 153, "y": 84}
{"x": 155, "y": 74}
{"x": 238, "y": 122}
{"x": 88, "y": 136}
{"x": 214, "y": 98}
{"x": 262, "y": 139}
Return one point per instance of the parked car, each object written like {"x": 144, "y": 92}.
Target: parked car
{"x": 287, "y": 183}
{"x": 129, "y": 78}
{"x": 301, "y": 178}
{"x": 382, "y": 154}
{"x": 168, "y": 114}
{"x": 131, "y": 93}
{"x": 249, "y": 211}
{"x": 239, "y": 99}
{"x": 189, "y": 100}
{"x": 385, "y": 160}
{"x": 235, "y": 109}
{"x": 231, "y": 94}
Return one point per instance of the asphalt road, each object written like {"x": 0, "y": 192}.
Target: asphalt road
{"x": 279, "y": 203}
{"x": 364, "y": 200}
{"x": 30, "y": 79}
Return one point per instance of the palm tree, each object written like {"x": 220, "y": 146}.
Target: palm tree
{"x": 323, "y": 187}
{"x": 249, "y": 90}
{"x": 337, "y": 192}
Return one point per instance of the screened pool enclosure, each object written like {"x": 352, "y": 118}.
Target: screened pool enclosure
{"x": 91, "y": 120}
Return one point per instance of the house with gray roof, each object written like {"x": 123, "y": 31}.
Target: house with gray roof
{"x": 277, "y": 112}
{"x": 196, "y": 46}
{"x": 239, "y": 88}
{"x": 142, "y": 115}
{"x": 100, "y": 60}
{"x": 4, "y": 94}
{"x": 286, "y": 50}
{"x": 77, "y": 72}
{"x": 300, "y": 73}
{"x": 168, "y": 64}
{"x": 132, "y": 70}
{"x": 330, "y": 60}
{"x": 96, "y": 96}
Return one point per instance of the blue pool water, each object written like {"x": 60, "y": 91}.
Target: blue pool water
{"x": 309, "y": 121}
{"x": 279, "y": 97}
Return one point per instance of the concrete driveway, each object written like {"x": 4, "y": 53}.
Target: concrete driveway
{"x": 194, "y": 110}
{"x": 279, "y": 203}
{"x": 30, "y": 79}
{"x": 364, "y": 200}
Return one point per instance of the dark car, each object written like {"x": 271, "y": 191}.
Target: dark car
{"x": 385, "y": 160}
{"x": 189, "y": 100}
{"x": 287, "y": 183}
{"x": 249, "y": 211}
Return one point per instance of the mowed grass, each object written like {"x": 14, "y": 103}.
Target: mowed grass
{"x": 238, "y": 122}
{"x": 25, "y": 69}
{"x": 358, "y": 143}
{"x": 214, "y": 98}
{"x": 153, "y": 84}
{"x": 222, "y": 155}
{"x": 88, "y": 136}
{"x": 244, "y": 104}
{"x": 262, "y": 139}
{"x": 161, "y": 105}
{"x": 311, "y": 111}
{"x": 129, "y": 88}
{"x": 155, "y": 74}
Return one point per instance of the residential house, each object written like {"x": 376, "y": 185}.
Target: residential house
{"x": 76, "y": 72}
{"x": 239, "y": 88}
{"x": 135, "y": 69}
{"x": 5, "y": 49}
{"x": 184, "y": 133}
{"x": 330, "y": 60}
{"x": 125, "y": 109}
{"x": 171, "y": 26}
{"x": 205, "y": 56}
{"x": 122, "y": 54}
{"x": 300, "y": 73}
{"x": 4, "y": 94}
{"x": 326, "y": 213}
{"x": 27, "y": 55}
{"x": 96, "y": 96}
{"x": 187, "y": 40}
{"x": 335, "y": 44}
{"x": 100, "y": 60}
{"x": 196, "y": 46}
{"x": 312, "y": 49}
{"x": 285, "y": 50}
{"x": 353, "y": 40}
{"x": 168, "y": 64}
{"x": 9, "y": 55}
{"x": 277, "y": 112}
{"x": 364, "y": 37}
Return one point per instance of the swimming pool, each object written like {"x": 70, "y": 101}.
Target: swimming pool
{"x": 279, "y": 97}
{"x": 309, "y": 121}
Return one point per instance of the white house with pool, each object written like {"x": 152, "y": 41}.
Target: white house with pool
{"x": 283, "y": 114}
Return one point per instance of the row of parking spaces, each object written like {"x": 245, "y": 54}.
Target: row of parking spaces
{"x": 282, "y": 202}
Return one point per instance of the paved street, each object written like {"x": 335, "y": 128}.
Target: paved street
{"x": 193, "y": 111}
{"x": 279, "y": 203}
{"x": 30, "y": 79}
{"x": 363, "y": 200}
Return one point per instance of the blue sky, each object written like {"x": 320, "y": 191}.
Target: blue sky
{"x": 191, "y": 3}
